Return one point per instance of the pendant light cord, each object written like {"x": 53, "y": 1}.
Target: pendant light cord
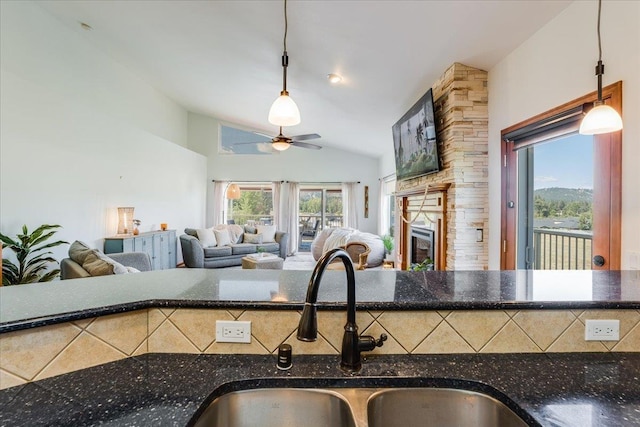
{"x": 599, "y": 42}
{"x": 285, "y": 57}
{"x": 286, "y": 24}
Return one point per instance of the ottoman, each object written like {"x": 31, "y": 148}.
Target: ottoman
{"x": 262, "y": 263}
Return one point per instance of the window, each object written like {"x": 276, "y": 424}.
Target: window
{"x": 556, "y": 204}
{"x": 255, "y": 205}
{"x": 238, "y": 141}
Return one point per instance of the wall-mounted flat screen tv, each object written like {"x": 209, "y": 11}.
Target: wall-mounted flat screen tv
{"x": 414, "y": 140}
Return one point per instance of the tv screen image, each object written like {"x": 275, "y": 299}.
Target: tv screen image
{"x": 414, "y": 140}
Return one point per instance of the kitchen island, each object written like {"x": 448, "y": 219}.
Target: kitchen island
{"x": 547, "y": 380}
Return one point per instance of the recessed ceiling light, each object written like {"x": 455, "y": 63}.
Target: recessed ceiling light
{"x": 334, "y": 78}
{"x": 85, "y": 26}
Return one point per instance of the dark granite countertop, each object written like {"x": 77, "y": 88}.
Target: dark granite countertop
{"x": 33, "y": 305}
{"x": 576, "y": 389}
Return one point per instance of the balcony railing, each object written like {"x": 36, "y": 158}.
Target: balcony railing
{"x": 562, "y": 250}
{"x": 308, "y": 221}
{"x": 248, "y": 219}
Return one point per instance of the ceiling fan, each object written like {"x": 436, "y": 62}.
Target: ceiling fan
{"x": 282, "y": 142}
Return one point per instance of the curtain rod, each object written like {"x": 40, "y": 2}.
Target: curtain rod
{"x": 323, "y": 183}
{"x": 244, "y": 182}
{"x": 384, "y": 178}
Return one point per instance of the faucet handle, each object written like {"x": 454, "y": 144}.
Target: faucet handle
{"x": 380, "y": 342}
{"x": 368, "y": 343}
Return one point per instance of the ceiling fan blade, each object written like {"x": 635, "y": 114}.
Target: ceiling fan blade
{"x": 305, "y": 137}
{"x": 263, "y": 134}
{"x": 305, "y": 145}
{"x": 252, "y": 142}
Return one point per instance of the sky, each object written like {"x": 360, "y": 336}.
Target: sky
{"x": 565, "y": 163}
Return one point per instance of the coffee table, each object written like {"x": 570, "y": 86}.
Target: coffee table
{"x": 262, "y": 263}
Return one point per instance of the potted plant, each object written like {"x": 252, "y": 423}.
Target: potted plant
{"x": 425, "y": 265}
{"x": 387, "y": 241}
{"x": 33, "y": 260}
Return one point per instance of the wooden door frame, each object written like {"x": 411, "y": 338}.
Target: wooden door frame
{"x": 608, "y": 147}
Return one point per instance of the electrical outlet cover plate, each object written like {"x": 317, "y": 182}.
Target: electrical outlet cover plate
{"x": 602, "y": 330}
{"x": 233, "y": 331}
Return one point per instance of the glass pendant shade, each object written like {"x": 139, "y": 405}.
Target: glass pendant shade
{"x": 601, "y": 119}
{"x": 284, "y": 111}
{"x": 280, "y": 146}
{"x": 125, "y": 220}
{"x": 233, "y": 192}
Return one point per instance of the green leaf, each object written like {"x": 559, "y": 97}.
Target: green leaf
{"x": 50, "y": 275}
{"x": 34, "y": 265}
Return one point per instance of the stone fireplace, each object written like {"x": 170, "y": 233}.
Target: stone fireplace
{"x": 453, "y": 202}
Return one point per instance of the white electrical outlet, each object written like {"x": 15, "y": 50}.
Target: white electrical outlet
{"x": 602, "y": 330}
{"x": 233, "y": 331}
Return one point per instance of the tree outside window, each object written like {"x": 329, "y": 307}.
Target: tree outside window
{"x": 255, "y": 205}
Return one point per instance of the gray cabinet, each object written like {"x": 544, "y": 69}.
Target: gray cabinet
{"x": 159, "y": 245}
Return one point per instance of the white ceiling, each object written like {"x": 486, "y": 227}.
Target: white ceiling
{"x": 222, "y": 58}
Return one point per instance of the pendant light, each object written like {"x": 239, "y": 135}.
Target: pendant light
{"x": 284, "y": 112}
{"x": 232, "y": 192}
{"x": 601, "y": 118}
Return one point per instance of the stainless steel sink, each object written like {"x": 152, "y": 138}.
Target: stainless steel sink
{"x": 425, "y": 407}
{"x": 361, "y": 407}
{"x": 278, "y": 407}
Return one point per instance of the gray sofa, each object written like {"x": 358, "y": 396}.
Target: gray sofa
{"x": 197, "y": 256}
{"x": 69, "y": 269}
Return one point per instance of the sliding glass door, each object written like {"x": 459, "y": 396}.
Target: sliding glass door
{"x": 320, "y": 208}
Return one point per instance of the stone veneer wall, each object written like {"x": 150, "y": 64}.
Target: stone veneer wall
{"x": 462, "y": 114}
{"x": 38, "y": 353}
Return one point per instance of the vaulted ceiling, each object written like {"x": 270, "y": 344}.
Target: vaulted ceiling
{"x": 222, "y": 58}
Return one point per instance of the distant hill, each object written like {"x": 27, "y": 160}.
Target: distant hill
{"x": 556, "y": 194}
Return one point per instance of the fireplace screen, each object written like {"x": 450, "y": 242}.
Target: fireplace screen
{"x": 422, "y": 245}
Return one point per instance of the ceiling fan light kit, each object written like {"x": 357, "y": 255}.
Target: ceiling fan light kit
{"x": 601, "y": 118}
{"x": 334, "y": 78}
{"x": 280, "y": 145}
{"x": 284, "y": 111}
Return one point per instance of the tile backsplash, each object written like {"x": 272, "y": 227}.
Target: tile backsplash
{"x": 34, "y": 354}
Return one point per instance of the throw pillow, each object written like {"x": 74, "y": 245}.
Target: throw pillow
{"x": 98, "y": 264}
{"x": 223, "y": 237}
{"x": 253, "y": 238}
{"x": 268, "y": 233}
{"x": 78, "y": 251}
{"x": 206, "y": 237}
{"x": 132, "y": 270}
{"x": 249, "y": 229}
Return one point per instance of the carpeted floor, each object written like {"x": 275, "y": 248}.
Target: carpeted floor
{"x": 299, "y": 261}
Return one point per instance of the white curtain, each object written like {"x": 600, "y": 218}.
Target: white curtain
{"x": 387, "y": 189}
{"x": 383, "y": 212}
{"x": 219, "y": 188}
{"x": 349, "y": 209}
{"x": 276, "y": 191}
{"x": 292, "y": 222}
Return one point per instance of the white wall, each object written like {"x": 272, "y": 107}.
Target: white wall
{"x": 295, "y": 164}
{"x": 555, "y": 66}
{"x": 81, "y": 135}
